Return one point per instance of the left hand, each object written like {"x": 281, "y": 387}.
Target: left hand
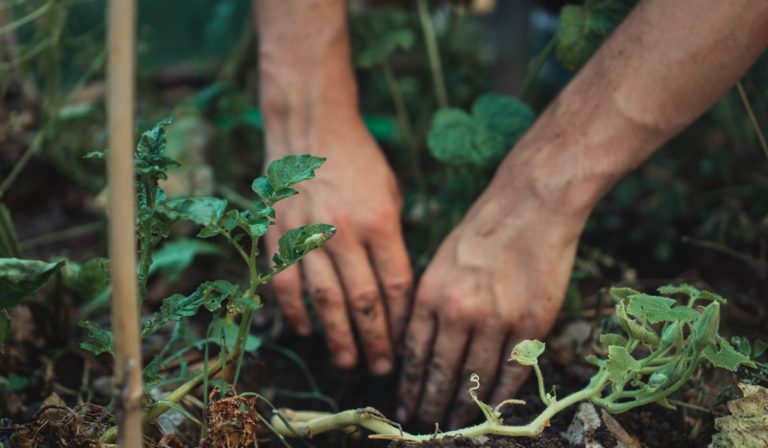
{"x": 499, "y": 277}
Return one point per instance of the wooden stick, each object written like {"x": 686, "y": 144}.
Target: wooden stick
{"x": 122, "y": 218}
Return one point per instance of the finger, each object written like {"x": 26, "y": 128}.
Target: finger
{"x": 418, "y": 339}
{"x": 287, "y": 288}
{"x": 366, "y": 306}
{"x": 442, "y": 371}
{"x": 393, "y": 268}
{"x": 328, "y": 297}
{"x": 511, "y": 375}
{"x": 483, "y": 359}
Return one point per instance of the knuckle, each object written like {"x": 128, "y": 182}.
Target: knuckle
{"x": 397, "y": 289}
{"x": 365, "y": 303}
{"x": 325, "y": 297}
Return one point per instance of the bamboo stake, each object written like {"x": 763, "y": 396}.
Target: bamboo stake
{"x": 122, "y": 218}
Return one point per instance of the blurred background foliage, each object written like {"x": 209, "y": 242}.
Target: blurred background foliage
{"x": 704, "y": 194}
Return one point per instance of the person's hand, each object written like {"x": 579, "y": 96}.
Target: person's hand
{"x": 498, "y": 278}
{"x": 362, "y": 277}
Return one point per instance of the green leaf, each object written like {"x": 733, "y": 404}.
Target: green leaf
{"x": 684, "y": 288}
{"x": 621, "y": 366}
{"x": 657, "y": 309}
{"x": 379, "y": 33}
{"x": 98, "y": 340}
{"x": 584, "y": 28}
{"x": 149, "y": 158}
{"x": 634, "y": 328}
{"x": 176, "y": 307}
{"x": 504, "y": 115}
{"x": 88, "y": 280}
{"x": 527, "y": 352}
{"x": 483, "y": 138}
{"x": 283, "y": 173}
{"x": 5, "y": 328}
{"x": 621, "y": 294}
{"x": 14, "y": 383}
{"x": 610, "y": 339}
{"x": 704, "y": 330}
{"x": 725, "y": 356}
{"x": 221, "y": 328}
{"x": 252, "y": 222}
{"x": 760, "y": 348}
{"x": 172, "y": 258}
{"x": 202, "y": 211}
{"x": 95, "y": 155}
{"x": 295, "y": 243}
{"x": 20, "y": 278}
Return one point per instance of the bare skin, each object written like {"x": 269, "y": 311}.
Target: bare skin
{"x": 501, "y": 275}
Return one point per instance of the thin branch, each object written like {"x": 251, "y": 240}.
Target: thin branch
{"x": 435, "y": 65}
{"x": 752, "y": 118}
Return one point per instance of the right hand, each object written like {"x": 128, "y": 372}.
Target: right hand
{"x": 362, "y": 276}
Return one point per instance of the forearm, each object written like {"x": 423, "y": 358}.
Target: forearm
{"x": 662, "y": 68}
{"x": 307, "y": 83}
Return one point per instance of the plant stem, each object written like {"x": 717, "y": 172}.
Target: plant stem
{"x": 159, "y": 408}
{"x": 540, "y": 379}
{"x": 536, "y": 66}
{"x": 435, "y": 65}
{"x": 245, "y": 320}
{"x": 33, "y": 148}
{"x": 313, "y": 423}
{"x": 61, "y": 235}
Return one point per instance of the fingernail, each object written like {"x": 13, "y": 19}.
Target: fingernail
{"x": 345, "y": 359}
{"x": 304, "y": 330}
{"x": 401, "y": 414}
{"x": 381, "y": 366}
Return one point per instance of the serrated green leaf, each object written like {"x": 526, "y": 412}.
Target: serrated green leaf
{"x": 584, "y": 28}
{"x": 712, "y": 297}
{"x": 176, "y": 307}
{"x": 98, "y": 340}
{"x": 527, "y": 352}
{"x": 657, "y": 309}
{"x": 619, "y": 294}
{"x": 634, "y": 328}
{"x": 20, "y": 278}
{"x": 149, "y": 159}
{"x": 684, "y": 288}
{"x": 202, "y": 211}
{"x": 294, "y": 244}
{"x": 725, "y": 356}
{"x": 379, "y": 33}
{"x": 621, "y": 366}
{"x": 504, "y": 115}
{"x": 172, "y": 258}
{"x": 88, "y": 280}
{"x": 613, "y": 339}
{"x": 283, "y": 173}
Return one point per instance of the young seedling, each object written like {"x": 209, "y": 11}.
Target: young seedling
{"x": 659, "y": 345}
{"x": 242, "y": 229}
